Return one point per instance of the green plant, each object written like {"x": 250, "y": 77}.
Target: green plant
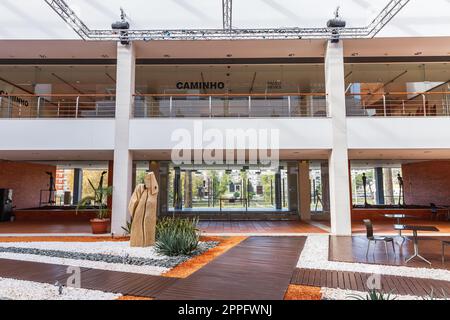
{"x": 432, "y": 296}
{"x": 372, "y": 295}
{"x": 127, "y": 227}
{"x": 175, "y": 236}
{"x": 100, "y": 193}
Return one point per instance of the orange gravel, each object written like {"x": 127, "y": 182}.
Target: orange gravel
{"x": 187, "y": 268}
{"x": 295, "y": 292}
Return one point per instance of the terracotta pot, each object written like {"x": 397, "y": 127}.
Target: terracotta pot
{"x": 99, "y": 226}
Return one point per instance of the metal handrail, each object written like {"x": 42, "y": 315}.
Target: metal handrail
{"x": 230, "y": 105}
{"x": 20, "y": 106}
{"x": 391, "y": 104}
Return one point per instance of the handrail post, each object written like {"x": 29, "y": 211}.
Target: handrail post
{"x": 77, "y": 106}
{"x": 289, "y": 106}
{"x": 249, "y": 106}
{"x": 384, "y": 105}
{"x": 403, "y": 107}
{"x": 210, "y": 106}
{"x": 9, "y": 108}
{"x": 57, "y": 110}
{"x": 170, "y": 106}
{"x": 424, "y": 100}
{"x": 38, "y": 108}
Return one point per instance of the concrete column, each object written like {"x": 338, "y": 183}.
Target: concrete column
{"x": 388, "y": 186}
{"x": 340, "y": 212}
{"x": 188, "y": 189}
{"x": 77, "y": 185}
{"x": 304, "y": 188}
{"x": 379, "y": 182}
{"x": 278, "y": 203}
{"x": 325, "y": 179}
{"x": 123, "y": 159}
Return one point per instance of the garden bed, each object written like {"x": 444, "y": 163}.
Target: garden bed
{"x": 106, "y": 255}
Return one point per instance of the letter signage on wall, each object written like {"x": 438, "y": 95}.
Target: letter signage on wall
{"x": 200, "y": 85}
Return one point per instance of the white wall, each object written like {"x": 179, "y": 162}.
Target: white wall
{"x": 57, "y": 134}
{"x": 398, "y": 133}
{"x": 155, "y": 134}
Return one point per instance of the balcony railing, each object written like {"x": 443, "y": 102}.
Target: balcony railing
{"x": 27, "y": 106}
{"x": 399, "y": 104}
{"x": 230, "y": 105}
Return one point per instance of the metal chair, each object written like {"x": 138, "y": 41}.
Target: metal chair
{"x": 444, "y": 244}
{"x": 371, "y": 237}
{"x": 435, "y": 212}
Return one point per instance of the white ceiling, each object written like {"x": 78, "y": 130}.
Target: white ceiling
{"x": 33, "y": 19}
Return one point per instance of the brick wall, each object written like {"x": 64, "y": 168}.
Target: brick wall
{"x": 426, "y": 182}
{"x": 26, "y": 179}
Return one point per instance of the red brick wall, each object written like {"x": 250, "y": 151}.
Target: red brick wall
{"x": 427, "y": 182}
{"x": 26, "y": 179}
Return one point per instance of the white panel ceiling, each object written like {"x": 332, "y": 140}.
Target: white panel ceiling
{"x": 33, "y": 19}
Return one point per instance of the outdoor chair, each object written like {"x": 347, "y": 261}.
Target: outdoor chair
{"x": 435, "y": 212}
{"x": 444, "y": 244}
{"x": 372, "y": 238}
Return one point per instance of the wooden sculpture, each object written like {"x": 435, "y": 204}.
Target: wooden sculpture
{"x": 143, "y": 212}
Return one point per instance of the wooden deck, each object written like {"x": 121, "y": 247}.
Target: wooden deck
{"x": 259, "y": 268}
{"x": 49, "y": 226}
{"x": 258, "y": 227}
{"x": 358, "y": 282}
{"x": 353, "y": 249}
{"x": 109, "y": 281}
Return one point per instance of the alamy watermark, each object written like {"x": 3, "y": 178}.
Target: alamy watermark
{"x": 213, "y": 146}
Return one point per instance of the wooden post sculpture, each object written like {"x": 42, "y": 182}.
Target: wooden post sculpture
{"x": 142, "y": 208}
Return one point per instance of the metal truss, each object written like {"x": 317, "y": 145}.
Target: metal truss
{"x": 228, "y": 33}
{"x": 227, "y": 11}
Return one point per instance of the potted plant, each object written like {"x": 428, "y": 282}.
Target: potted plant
{"x": 101, "y": 222}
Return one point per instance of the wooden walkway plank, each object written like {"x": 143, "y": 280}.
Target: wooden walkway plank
{"x": 357, "y": 281}
{"x": 259, "y": 268}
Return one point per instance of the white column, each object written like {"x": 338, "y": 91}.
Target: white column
{"x": 340, "y": 211}
{"x": 123, "y": 159}
{"x": 304, "y": 188}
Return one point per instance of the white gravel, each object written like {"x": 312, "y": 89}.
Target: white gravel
{"x": 150, "y": 270}
{"x": 339, "y": 294}
{"x": 315, "y": 256}
{"x": 116, "y": 248}
{"x": 26, "y": 290}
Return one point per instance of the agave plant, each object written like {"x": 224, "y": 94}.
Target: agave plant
{"x": 177, "y": 236}
{"x": 372, "y": 295}
{"x": 100, "y": 193}
{"x": 432, "y": 295}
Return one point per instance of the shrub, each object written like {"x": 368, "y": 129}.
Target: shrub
{"x": 176, "y": 236}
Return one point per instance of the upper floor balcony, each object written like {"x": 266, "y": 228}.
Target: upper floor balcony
{"x": 28, "y": 106}
{"x": 311, "y": 105}
{"x": 304, "y": 105}
{"x": 399, "y": 104}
